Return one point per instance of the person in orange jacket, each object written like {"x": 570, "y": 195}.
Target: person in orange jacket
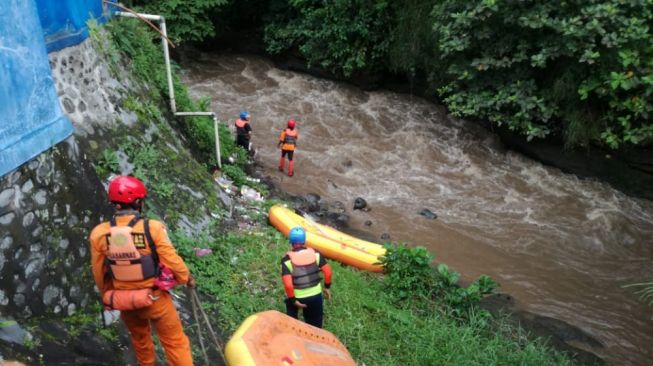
{"x": 153, "y": 250}
{"x": 243, "y": 131}
{"x": 300, "y": 273}
{"x": 287, "y": 142}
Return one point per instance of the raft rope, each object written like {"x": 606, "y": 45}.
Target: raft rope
{"x": 197, "y": 307}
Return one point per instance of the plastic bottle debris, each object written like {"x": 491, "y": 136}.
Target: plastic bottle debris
{"x": 200, "y": 252}
{"x": 250, "y": 194}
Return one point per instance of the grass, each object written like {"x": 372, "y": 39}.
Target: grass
{"x": 242, "y": 275}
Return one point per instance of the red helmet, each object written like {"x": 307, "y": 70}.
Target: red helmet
{"x": 291, "y": 123}
{"x": 126, "y": 189}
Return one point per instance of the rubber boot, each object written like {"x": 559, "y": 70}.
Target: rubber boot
{"x": 282, "y": 162}
{"x": 290, "y": 166}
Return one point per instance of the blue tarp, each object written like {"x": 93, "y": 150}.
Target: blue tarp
{"x": 64, "y": 21}
{"x": 31, "y": 119}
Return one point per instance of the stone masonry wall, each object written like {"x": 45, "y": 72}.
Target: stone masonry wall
{"x": 49, "y": 204}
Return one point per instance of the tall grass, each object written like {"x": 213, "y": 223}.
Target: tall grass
{"x": 242, "y": 277}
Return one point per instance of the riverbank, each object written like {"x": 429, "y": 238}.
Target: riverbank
{"x": 509, "y": 320}
{"x": 241, "y": 277}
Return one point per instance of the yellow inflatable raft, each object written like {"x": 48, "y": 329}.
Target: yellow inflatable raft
{"x": 272, "y": 338}
{"x": 329, "y": 241}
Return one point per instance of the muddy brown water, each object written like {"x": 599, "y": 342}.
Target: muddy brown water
{"x": 562, "y": 246}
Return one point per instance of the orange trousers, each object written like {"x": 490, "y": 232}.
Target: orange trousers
{"x": 168, "y": 327}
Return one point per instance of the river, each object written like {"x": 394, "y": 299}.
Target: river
{"x": 562, "y": 246}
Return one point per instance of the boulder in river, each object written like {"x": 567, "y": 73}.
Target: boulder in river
{"x": 428, "y": 214}
{"x": 312, "y": 202}
{"x": 359, "y": 203}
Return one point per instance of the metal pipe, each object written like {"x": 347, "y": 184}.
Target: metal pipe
{"x": 171, "y": 89}
{"x": 141, "y": 15}
{"x": 166, "y": 56}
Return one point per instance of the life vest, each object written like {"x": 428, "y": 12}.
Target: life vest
{"x": 240, "y": 127}
{"x": 290, "y": 137}
{"x": 305, "y": 272}
{"x": 124, "y": 261}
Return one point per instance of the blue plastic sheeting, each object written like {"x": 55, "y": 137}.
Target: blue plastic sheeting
{"x": 64, "y": 21}
{"x": 31, "y": 119}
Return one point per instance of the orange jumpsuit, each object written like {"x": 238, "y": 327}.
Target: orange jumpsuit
{"x": 162, "y": 313}
{"x": 288, "y": 141}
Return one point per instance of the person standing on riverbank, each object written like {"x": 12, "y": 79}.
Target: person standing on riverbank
{"x": 288, "y": 142}
{"x": 128, "y": 255}
{"x": 300, "y": 272}
{"x": 243, "y": 131}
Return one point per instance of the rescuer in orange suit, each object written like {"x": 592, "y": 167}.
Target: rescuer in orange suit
{"x": 287, "y": 142}
{"x": 127, "y": 195}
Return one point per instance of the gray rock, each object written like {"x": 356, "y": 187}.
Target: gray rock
{"x": 19, "y": 300}
{"x": 6, "y": 197}
{"x": 27, "y": 187}
{"x": 28, "y": 219}
{"x": 73, "y": 220}
{"x": 3, "y": 298}
{"x": 7, "y": 218}
{"x": 40, "y": 197}
{"x": 21, "y": 287}
{"x": 82, "y": 251}
{"x": 11, "y": 332}
{"x": 428, "y": 214}
{"x": 68, "y": 105}
{"x": 35, "y": 266}
{"x": 50, "y": 293}
{"x": 63, "y": 244}
{"x": 36, "y": 284}
{"x": 359, "y": 203}
{"x": 74, "y": 291}
{"x": 6, "y": 242}
{"x": 71, "y": 309}
{"x": 2, "y": 260}
{"x": 36, "y": 233}
{"x": 313, "y": 202}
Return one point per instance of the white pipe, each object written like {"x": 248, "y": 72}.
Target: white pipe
{"x": 171, "y": 89}
{"x": 142, "y": 15}
{"x": 194, "y": 114}
{"x": 166, "y": 56}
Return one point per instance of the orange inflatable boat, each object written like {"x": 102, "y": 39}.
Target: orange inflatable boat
{"x": 271, "y": 338}
{"x": 329, "y": 241}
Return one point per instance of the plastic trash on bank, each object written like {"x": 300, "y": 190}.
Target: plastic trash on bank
{"x": 225, "y": 183}
{"x": 200, "y": 252}
{"x": 250, "y": 193}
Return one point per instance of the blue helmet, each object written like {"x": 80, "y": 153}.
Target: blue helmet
{"x": 244, "y": 115}
{"x": 297, "y": 235}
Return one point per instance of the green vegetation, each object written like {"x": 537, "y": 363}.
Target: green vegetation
{"x": 379, "y": 327}
{"x": 189, "y": 20}
{"x": 580, "y": 69}
{"x": 107, "y": 163}
{"x": 354, "y": 36}
{"x": 584, "y": 69}
{"x": 414, "y": 315}
{"x": 645, "y": 291}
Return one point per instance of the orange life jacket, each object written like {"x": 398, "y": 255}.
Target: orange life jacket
{"x": 305, "y": 269}
{"x": 289, "y": 139}
{"x": 240, "y": 127}
{"x": 124, "y": 261}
